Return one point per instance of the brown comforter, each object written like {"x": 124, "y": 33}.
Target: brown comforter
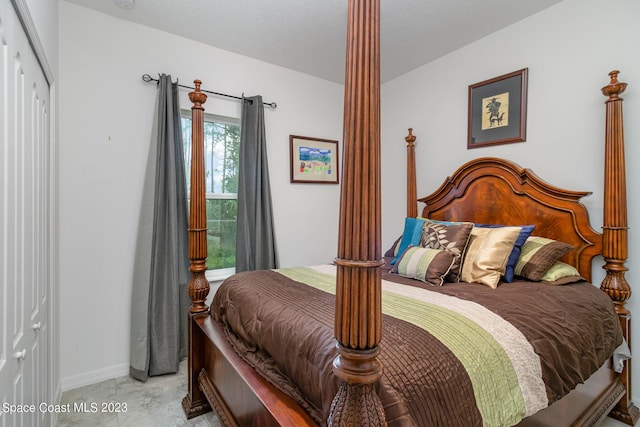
{"x": 284, "y": 328}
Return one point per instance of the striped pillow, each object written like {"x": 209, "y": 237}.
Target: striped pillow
{"x": 538, "y": 255}
{"x": 561, "y": 273}
{"x": 425, "y": 264}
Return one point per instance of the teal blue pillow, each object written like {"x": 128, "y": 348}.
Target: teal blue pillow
{"x": 410, "y": 236}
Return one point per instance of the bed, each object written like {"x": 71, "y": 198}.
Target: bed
{"x": 347, "y": 367}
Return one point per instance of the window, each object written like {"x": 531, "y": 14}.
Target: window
{"x": 221, "y": 151}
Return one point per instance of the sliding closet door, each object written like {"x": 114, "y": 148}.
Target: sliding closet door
{"x": 25, "y": 209}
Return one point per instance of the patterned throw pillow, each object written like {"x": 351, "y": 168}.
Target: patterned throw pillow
{"x": 452, "y": 237}
{"x": 429, "y": 265}
{"x": 487, "y": 254}
{"x": 538, "y": 255}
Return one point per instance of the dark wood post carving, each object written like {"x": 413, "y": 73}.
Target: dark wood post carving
{"x": 615, "y": 231}
{"x": 358, "y": 318}
{"x": 198, "y": 284}
{"x": 195, "y": 403}
{"x": 412, "y": 194}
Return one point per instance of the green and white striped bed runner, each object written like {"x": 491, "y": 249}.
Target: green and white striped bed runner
{"x": 501, "y": 364}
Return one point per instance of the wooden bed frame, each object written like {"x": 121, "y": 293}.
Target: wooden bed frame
{"x": 219, "y": 379}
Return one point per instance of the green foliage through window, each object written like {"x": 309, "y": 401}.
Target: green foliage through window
{"x": 221, "y": 151}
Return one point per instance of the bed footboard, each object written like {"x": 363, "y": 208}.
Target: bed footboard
{"x": 237, "y": 393}
{"x": 587, "y": 405}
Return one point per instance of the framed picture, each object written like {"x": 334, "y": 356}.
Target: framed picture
{"x": 314, "y": 160}
{"x": 498, "y": 110}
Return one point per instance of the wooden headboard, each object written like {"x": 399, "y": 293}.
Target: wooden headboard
{"x": 496, "y": 191}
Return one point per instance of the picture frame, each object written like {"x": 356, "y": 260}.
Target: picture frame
{"x": 313, "y": 160}
{"x": 498, "y": 110}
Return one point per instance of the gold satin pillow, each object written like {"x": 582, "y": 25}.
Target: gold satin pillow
{"x": 487, "y": 253}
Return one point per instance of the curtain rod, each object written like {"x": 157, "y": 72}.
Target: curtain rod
{"x": 147, "y": 78}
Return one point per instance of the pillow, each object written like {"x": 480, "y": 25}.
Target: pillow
{"x": 538, "y": 255}
{"x": 561, "y": 273}
{"x": 452, "y": 237}
{"x": 429, "y": 265}
{"x": 437, "y": 221}
{"x": 410, "y": 236}
{"x": 487, "y": 254}
{"x": 393, "y": 250}
{"x": 509, "y": 271}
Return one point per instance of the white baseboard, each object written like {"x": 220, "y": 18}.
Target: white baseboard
{"x": 88, "y": 378}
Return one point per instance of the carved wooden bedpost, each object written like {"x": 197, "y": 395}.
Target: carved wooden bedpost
{"x": 195, "y": 403}
{"x": 412, "y": 194}
{"x": 615, "y": 231}
{"x": 198, "y": 284}
{"x": 358, "y": 318}
{"x": 614, "y": 235}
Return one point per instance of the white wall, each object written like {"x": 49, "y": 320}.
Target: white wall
{"x": 569, "y": 49}
{"x": 105, "y": 127}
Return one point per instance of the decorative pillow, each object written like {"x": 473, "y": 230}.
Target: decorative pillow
{"x": 393, "y": 250}
{"x": 538, "y": 255}
{"x": 437, "y": 221}
{"x": 410, "y": 236}
{"x": 452, "y": 237}
{"x": 561, "y": 273}
{"x": 509, "y": 271}
{"x": 428, "y": 265}
{"x": 487, "y": 254}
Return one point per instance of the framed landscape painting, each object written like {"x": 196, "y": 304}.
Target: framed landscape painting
{"x": 498, "y": 110}
{"x": 313, "y": 160}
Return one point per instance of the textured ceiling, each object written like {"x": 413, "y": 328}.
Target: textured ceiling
{"x": 309, "y": 35}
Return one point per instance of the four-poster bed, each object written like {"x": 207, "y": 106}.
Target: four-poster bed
{"x": 240, "y": 386}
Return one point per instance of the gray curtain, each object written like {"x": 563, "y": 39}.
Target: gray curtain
{"x": 255, "y": 237}
{"x": 159, "y": 298}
